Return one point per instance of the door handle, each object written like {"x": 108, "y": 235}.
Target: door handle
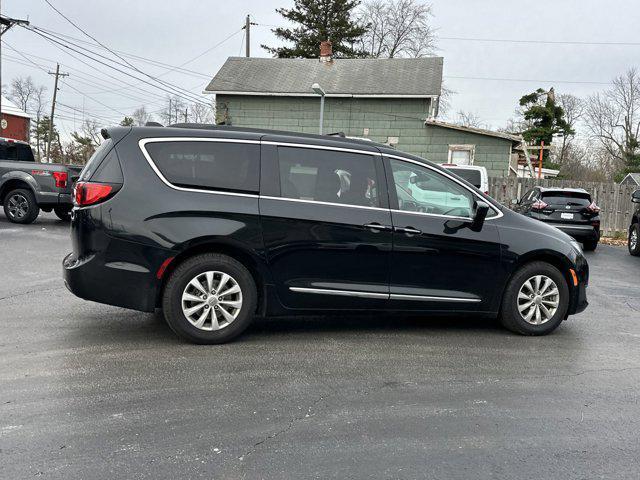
{"x": 408, "y": 230}
{"x": 377, "y": 226}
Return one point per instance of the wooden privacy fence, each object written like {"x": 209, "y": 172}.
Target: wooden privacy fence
{"x": 613, "y": 199}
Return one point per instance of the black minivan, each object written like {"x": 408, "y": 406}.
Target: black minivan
{"x": 215, "y": 225}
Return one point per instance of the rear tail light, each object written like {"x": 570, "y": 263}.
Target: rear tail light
{"x": 61, "y": 179}
{"x": 539, "y": 205}
{"x": 87, "y": 193}
{"x": 593, "y": 208}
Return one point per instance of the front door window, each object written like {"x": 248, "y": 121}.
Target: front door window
{"x": 420, "y": 189}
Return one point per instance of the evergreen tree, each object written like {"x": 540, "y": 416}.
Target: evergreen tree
{"x": 545, "y": 119}
{"x": 127, "y": 122}
{"x": 319, "y": 20}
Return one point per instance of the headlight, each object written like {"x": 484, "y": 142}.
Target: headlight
{"x": 576, "y": 245}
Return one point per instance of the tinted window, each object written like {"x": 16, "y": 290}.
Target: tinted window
{"x": 420, "y": 189}
{"x": 16, "y": 151}
{"x": 328, "y": 176}
{"x": 109, "y": 170}
{"x": 209, "y": 165}
{"x": 95, "y": 160}
{"x": 567, "y": 198}
{"x": 471, "y": 176}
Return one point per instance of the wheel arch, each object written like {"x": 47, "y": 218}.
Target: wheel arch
{"x": 13, "y": 182}
{"x": 236, "y": 250}
{"x": 562, "y": 263}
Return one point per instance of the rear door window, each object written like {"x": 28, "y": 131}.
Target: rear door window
{"x": 328, "y": 176}
{"x": 208, "y": 165}
{"x": 575, "y": 199}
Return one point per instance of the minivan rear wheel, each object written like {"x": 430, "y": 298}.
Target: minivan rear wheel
{"x": 210, "y": 298}
{"x": 634, "y": 240}
{"x": 535, "y": 300}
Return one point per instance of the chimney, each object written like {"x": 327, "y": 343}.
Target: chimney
{"x": 325, "y": 51}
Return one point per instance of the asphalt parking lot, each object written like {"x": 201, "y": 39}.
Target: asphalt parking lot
{"x": 92, "y": 391}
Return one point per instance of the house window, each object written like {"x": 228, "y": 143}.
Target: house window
{"x": 461, "y": 154}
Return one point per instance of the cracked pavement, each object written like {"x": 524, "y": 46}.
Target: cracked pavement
{"x": 93, "y": 391}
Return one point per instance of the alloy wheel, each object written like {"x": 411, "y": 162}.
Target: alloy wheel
{"x": 212, "y": 300}
{"x": 18, "y": 206}
{"x": 538, "y": 299}
{"x": 633, "y": 239}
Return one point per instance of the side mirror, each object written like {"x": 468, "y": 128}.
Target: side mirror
{"x": 635, "y": 196}
{"x": 480, "y": 211}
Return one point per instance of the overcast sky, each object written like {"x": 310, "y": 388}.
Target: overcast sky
{"x": 175, "y": 32}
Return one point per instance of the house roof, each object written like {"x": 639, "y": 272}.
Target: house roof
{"x": 634, "y": 176}
{"x": 478, "y": 131}
{"x": 364, "y": 77}
{"x": 10, "y": 108}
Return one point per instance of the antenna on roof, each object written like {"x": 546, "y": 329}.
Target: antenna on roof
{"x": 153, "y": 124}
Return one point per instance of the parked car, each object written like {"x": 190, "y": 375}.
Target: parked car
{"x": 571, "y": 210}
{"x": 215, "y": 225}
{"x": 476, "y": 176}
{"x": 634, "y": 228}
{"x": 26, "y": 187}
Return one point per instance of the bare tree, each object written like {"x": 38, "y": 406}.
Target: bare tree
{"x": 469, "y": 119}
{"x": 202, "y": 113}
{"x": 397, "y": 28}
{"x": 613, "y": 118}
{"x": 22, "y": 91}
{"x": 141, "y": 117}
{"x": 38, "y": 104}
{"x": 173, "y": 111}
{"x": 573, "y": 112}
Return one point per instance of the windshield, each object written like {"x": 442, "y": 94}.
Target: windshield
{"x": 577, "y": 199}
{"x": 470, "y": 175}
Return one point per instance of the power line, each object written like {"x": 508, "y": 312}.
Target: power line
{"x": 540, "y": 42}
{"x": 63, "y": 45}
{"x": 171, "y": 89}
{"x": 129, "y": 64}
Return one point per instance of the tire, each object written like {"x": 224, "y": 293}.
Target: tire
{"x": 63, "y": 213}
{"x": 634, "y": 246}
{"x": 20, "y": 206}
{"x": 179, "y": 285}
{"x": 510, "y": 315}
{"x": 590, "y": 245}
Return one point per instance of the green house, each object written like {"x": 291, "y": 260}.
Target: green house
{"x": 393, "y": 101}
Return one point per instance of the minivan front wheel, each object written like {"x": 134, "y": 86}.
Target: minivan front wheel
{"x": 210, "y": 298}
{"x": 536, "y": 300}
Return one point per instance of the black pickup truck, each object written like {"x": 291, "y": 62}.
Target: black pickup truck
{"x": 26, "y": 186}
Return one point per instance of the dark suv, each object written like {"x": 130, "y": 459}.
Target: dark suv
{"x": 215, "y": 225}
{"x": 572, "y": 210}
{"x": 634, "y": 228}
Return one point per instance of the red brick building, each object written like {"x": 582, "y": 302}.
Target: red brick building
{"x": 17, "y": 122}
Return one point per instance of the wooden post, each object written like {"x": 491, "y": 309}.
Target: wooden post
{"x": 540, "y": 159}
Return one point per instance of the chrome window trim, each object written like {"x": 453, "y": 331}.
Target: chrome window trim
{"x": 568, "y": 225}
{"x": 318, "y": 202}
{"x": 323, "y": 147}
{"x": 340, "y": 293}
{"x": 144, "y": 141}
{"x": 439, "y": 215}
{"x": 386, "y": 296}
{"x": 445, "y": 174}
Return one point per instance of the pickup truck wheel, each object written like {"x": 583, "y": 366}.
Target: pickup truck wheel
{"x": 63, "y": 213}
{"x": 20, "y": 206}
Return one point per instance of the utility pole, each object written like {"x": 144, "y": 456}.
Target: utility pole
{"x": 170, "y": 112}
{"x": 185, "y": 115}
{"x": 53, "y": 108}
{"x": 247, "y": 27}
{"x": 5, "y": 24}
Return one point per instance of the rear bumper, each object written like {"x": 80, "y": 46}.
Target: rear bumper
{"x": 579, "y": 232}
{"x": 117, "y": 283}
{"x": 54, "y": 199}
